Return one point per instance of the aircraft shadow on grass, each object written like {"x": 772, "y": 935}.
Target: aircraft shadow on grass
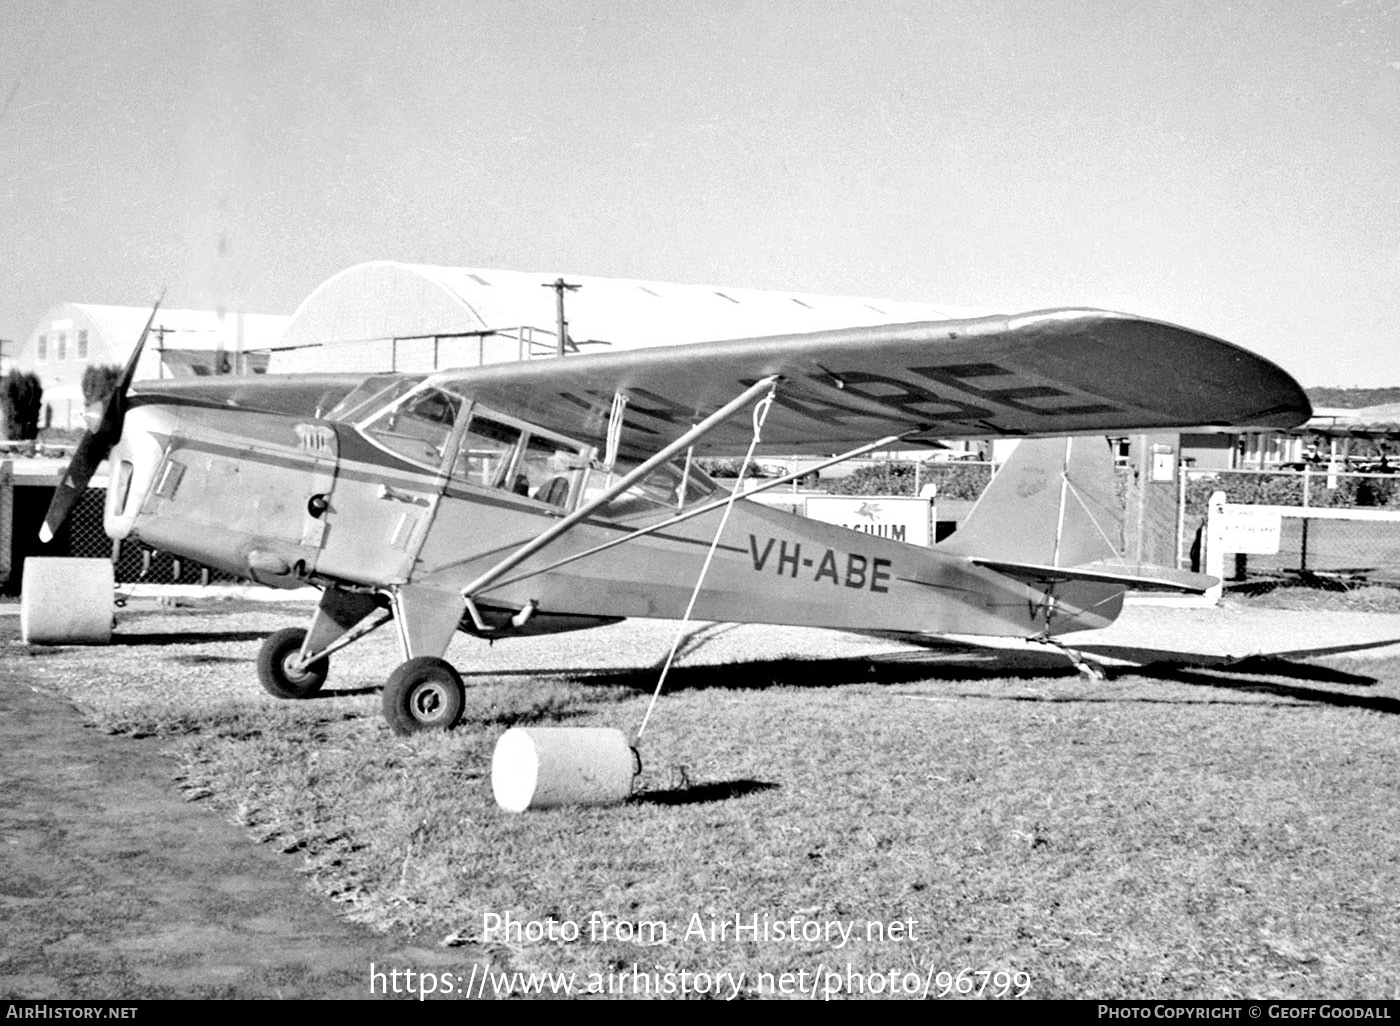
{"x": 333, "y": 692}
{"x": 1249, "y": 674}
{"x": 759, "y": 675}
{"x": 186, "y": 637}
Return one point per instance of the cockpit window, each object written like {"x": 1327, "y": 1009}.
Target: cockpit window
{"x": 418, "y": 427}
{"x": 498, "y": 453}
{"x": 488, "y": 450}
{"x": 548, "y": 471}
{"x": 660, "y": 489}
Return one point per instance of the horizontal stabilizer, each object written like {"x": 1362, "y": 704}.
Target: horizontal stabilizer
{"x": 1104, "y": 572}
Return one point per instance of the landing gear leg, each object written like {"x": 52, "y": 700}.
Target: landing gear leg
{"x": 293, "y": 662}
{"x": 425, "y": 692}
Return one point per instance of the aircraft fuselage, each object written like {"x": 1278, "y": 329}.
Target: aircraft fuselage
{"x": 291, "y": 500}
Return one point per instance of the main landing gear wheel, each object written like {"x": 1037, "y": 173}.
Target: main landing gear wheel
{"x": 425, "y": 693}
{"x": 277, "y": 670}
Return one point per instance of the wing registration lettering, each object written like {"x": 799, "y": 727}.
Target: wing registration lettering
{"x": 828, "y": 407}
{"x": 854, "y": 396}
{"x": 909, "y": 397}
{"x": 596, "y": 404}
{"x": 1012, "y": 396}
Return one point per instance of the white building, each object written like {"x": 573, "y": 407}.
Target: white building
{"x": 73, "y": 336}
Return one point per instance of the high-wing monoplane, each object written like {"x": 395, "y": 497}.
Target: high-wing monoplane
{"x": 528, "y": 498}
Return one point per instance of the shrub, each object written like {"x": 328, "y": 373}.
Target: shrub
{"x": 98, "y": 383}
{"x": 21, "y": 403}
{"x": 955, "y": 481}
{"x": 885, "y": 478}
{"x": 718, "y": 467}
{"x": 1287, "y": 490}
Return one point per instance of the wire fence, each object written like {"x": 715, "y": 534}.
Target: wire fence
{"x": 1339, "y": 525}
{"x": 132, "y": 562}
{"x": 950, "y": 479}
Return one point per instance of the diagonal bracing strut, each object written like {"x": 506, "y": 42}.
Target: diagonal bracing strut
{"x": 687, "y": 439}
{"x": 704, "y": 508}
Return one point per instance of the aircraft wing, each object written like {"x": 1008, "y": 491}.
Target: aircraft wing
{"x": 1053, "y": 372}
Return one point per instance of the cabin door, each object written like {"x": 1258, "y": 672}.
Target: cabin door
{"x": 388, "y": 482}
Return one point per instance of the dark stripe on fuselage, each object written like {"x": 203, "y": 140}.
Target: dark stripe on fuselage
{"x": 616, "y": 528}
{"x": 939, "y": 587}
{"x": 351, "y": 443}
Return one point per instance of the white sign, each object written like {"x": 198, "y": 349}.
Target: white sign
{"x": 897, "y": 518}
{"x": 1250, "y": 529}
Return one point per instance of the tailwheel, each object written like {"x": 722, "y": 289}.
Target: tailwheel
{"x": 425, "y": 693}
{"x": 277, "y": 666}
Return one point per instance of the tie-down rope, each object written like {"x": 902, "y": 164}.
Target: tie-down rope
{"x": 760, "y": 414}
{"x": 614, "y": 437}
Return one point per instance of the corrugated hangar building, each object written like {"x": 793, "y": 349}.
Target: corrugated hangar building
{"x": 384, "y": 315}
{"x": 74, "y": 336}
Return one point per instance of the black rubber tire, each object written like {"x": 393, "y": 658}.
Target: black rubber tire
{"x": 425, "y": 693}
{"x": 280, "y": 680}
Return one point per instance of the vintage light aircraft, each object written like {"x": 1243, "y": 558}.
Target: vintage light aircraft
{"x": 528, "y": 498}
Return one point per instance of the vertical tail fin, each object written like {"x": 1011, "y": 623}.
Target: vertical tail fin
{"x": 1053, "y": 503}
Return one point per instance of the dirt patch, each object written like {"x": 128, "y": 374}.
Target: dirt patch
{"x": 113, "y": 887}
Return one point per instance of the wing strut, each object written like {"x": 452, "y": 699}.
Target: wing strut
{"x": 617, "y": 488}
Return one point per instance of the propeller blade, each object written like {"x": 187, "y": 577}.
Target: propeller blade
{"x": 96, "y": 442}
{"x": 129, "y": 371}
{"x": 86, "y": 459}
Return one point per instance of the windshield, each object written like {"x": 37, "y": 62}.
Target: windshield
{"x": 370, "y": 394}
{"x": 418, "y": 426}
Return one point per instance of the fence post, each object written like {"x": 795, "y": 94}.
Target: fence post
{"x": 7, "y": 523}
{"x": 1215, "y": 550}
{"x": 1181, "y": 516}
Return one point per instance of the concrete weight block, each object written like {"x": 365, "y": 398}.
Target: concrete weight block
{"x": 545, "y": 767}
{"x": 66, "y": 601}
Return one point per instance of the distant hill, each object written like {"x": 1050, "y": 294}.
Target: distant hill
{"x": 1352, "y": 398}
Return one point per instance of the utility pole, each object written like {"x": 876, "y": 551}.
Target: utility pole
{"x": 560, "y": 286}
{"x": 159, "y": 332}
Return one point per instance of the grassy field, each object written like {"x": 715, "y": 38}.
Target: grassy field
{"x": 1177, "y": 832}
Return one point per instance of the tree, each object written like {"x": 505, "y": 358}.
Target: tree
{"x": 21, "y": 403}
{"x": 98, "y": 383}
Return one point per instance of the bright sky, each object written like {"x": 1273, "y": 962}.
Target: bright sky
{"x": 1233, "y": 167}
